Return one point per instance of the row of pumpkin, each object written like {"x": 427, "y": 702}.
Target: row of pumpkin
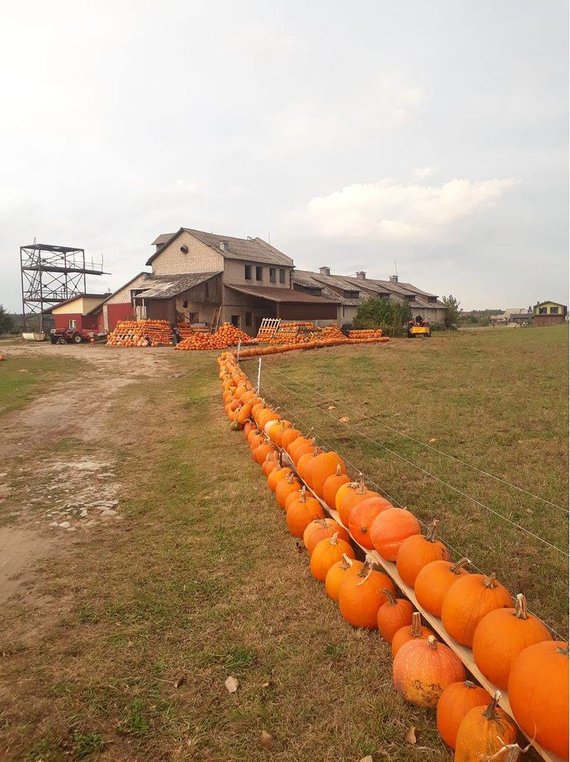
{"x": 512, "y": 648}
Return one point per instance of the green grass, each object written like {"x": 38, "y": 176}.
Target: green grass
{"x": 495, "y": 399}
{"x": 24, "y": 378}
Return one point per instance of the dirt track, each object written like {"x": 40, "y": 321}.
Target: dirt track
{"x": 52, "y": 494}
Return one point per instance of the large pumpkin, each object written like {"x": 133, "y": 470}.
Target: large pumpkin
{"x": 321, "y": 529}
{"x": 301, "y": 512}
{"x": 393, "y": 615}
{"x": 304, "y": 463}
{"x": 362, "y": 517}
{"x": 390, "y": 529}
{"x": 483, "y": 732}
{"x": 416, "y": 552}
{"x": 261, "y": 452}
{"x": 361, "y": 595}
{"x": 466, "y": 603}
{"x": 538, "y": 693}
{"x": 288, "y": 437}
{"x": 454, "y": 703}
{"x": 336, "y": 574}
{"x": 348, "y": 496}
{"x": 434, "y": 580}
{"x": 276, "y": 476}
{"x": 332, "y": 485}
{"x": 285, "y": 487}
{"x": 324, "y": 465}
{"x": 326, "y": 553}
{"x": 500, "y": 637}
{"x": 422, "y": 669}
{"x": 414, "y": 631}
{"x": 270, "y": 463}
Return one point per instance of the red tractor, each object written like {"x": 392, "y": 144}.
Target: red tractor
{"x": 71, "y": 336}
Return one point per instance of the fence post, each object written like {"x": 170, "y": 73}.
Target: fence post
{"x": 238, "y": 349}
{"x": 259, "y": 376}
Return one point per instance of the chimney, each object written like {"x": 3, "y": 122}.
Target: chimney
{"x": 361, "y": 275}
{"x": 325, "y": 270}
{"x": 224, "y": 245}
{"x": 393, "y": 279}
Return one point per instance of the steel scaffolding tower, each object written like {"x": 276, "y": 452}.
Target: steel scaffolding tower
{"x": 52, "y": 274}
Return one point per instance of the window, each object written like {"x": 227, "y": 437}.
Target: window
{"x": 71, "y": 325}
{"x": 247, "y": 272}
{"x": 207, "y": 290}
{"x": 185, "y": 303}
{"x": 281, "y": 276}
{"x": 554, "y": 310}
{"x": 235, "y": 320}
{"x": 259, "y": 273}
{"x": 272, "y": 275}
{"x": 249, "y": 318}
{"x": 344, "y": 311}
{"x": 542, "y": 311}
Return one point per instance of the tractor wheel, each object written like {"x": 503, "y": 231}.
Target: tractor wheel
{"x": 77, "y": 339}
{"x": 61, "y": 340}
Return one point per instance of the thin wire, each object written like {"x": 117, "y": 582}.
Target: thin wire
{"x": 433, "y": 476}
{"x": 458, "y": 553}
{"x": 366, "y": 417}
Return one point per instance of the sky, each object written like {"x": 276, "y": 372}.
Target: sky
{"x": 427, "y": 138}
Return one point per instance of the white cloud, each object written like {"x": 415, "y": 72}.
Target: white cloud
{"x": 423, "y": 173}
{"x": 391, "y": 211}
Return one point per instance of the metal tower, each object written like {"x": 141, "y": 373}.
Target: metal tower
{"x": 52, "y": 274}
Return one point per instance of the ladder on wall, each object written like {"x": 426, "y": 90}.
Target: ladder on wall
{"x": 216, "y": 319}
{"x": 268, "y": 328}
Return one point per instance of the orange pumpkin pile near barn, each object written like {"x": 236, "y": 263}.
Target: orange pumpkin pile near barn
{"x": 442, "y": 620}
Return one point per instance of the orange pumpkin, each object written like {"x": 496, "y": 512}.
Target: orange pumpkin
{"x": 270, "y": 463}
{"x": 466, "y": 603}
{"x": 362, "y": 517}
{"x": 416, "y": 552}
{"x": 301, "y": 512}
{"x": 326, "y": 553}
{"x": 336, "y": 573}
{"x": 434, "y": 580}
{"x": 277, "y": 475}
{"x": 285, "y": 487}
{"x": 454, "y": 703}
{"x": 300, "y": 446}
{"x": 324, "y": 465}
{"x": 500, "y": 637}
{"x": 261, "y": 452}
{"x": 415, "y": 631}
{"x": 538, "y": 693}
{"x": 422, "y": 669}
{"x": 288, "y": 437}
{"x": 292, "y": 496}
{"x": 361, "y": 595}
{"x": 390, "y": 529}
{"x": 331, "y": 487}
{"x": 393, "y": 615}
{"x": 321, "y": 529}
{"x": 349, "y": 495}
{"x": 304, "y": 463}
{"x": 483, "y": 732}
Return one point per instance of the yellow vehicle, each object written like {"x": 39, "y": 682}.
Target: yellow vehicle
{"x": 419, "y": 327}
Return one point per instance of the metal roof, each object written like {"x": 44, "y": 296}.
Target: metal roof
{"x": 167, "y": 286}
{"x": 284, "y": 295}
{"x": 254, "y": 250}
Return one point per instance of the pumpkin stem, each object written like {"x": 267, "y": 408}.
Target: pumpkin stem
{"x": 334, "y": 539}
{"x": 458, "y": 565}
{"x": 303, "y": 497}
{"x": 490, "y": 712}
{"x": 469, "y": 684}
{"x": 361, "y": 489}
{"x": 430, "y": 534}
{"x": 416, "y": 626}
{"x": 346, "y": 561}
{"x": 521, "y": 610}
{"x": 338, "y": 470}
{"x": 564, "y": 651}
{"x": 491, "y": 581}
{"x": 366, "y": 567}
{"x": 390, "y": 596}
{"x": 432, "y": 642}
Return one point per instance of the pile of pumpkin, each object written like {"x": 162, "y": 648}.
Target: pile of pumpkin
{"x": 312, "y": 344}
{"x": 365, "y": 333}
{"x": 512, "y": 648}
{"x": 140, "y": 333}
{"x": 227, "y": 335}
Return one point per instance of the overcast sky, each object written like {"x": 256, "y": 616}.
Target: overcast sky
{"x": 353, "y": 133}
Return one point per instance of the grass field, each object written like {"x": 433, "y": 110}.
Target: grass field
{"x": 23, "y": 378}
{"x": 203, "y": 580}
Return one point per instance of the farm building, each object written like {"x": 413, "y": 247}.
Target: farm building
{"x": 549, "y": 313}
{"x": 200, "y": 277}
{"x": 513, "y": 316}
{"x": 351, "y": 291}
{"x": 81, "y": 312}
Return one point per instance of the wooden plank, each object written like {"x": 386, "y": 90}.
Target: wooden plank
{"x": 465, "y": 654}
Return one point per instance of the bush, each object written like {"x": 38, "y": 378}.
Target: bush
{"x": 390, "y": 316}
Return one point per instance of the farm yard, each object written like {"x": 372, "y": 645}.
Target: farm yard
{"x": 118, "y": 643}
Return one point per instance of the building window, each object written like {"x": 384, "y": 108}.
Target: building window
{"x": 72, "y": 325}
{"x": 207, "y": 289}
{"x": 259, "y": 273}
{"x": 235, "y": 320}
{"x": 185, "y": 303}
{"x": 344, "y": 311}
{"x": 249, "y": 318}
{"x": 272, "y": 275}
{"x": 281, "y": 276}
{"x": 554, "y": 310}
{"x": 542, "y": 311}
{"x": 247, "y": 272}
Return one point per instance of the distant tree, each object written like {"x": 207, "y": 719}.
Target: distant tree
{"x": 452, "y": 311}
{"x": 390, "y": 316}
{"x": 6, "y": 321}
